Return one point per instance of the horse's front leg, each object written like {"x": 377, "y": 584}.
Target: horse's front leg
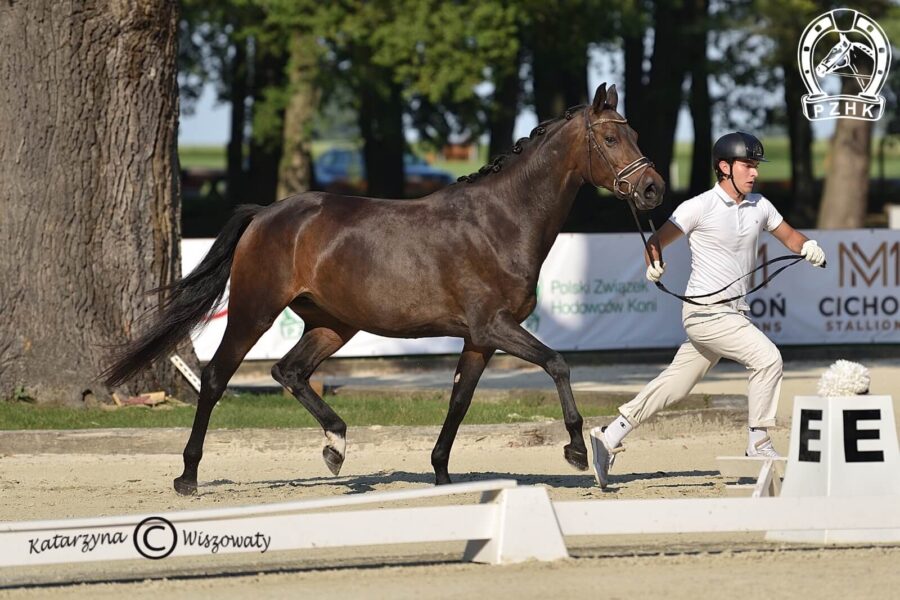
{"x": 471, "y": 365}
{"x": 501, "y": 331}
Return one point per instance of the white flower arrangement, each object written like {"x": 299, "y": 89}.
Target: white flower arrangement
{"x": 844, "y": 378}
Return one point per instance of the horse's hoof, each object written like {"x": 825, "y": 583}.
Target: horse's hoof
{"x": 334, "y": 451}
{"x": 184, "y": 487}
{"x": 333, "y": 459}
{"x": 577, "y": 458}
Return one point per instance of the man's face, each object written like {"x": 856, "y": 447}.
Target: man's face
{"x": 745, "y": 173}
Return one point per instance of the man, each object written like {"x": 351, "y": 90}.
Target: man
{"x": 722, "y": 226}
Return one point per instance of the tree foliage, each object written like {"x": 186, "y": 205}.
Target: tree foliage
{"x": 454, "y": 70}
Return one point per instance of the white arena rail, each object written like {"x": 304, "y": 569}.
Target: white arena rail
{"x": 264, "y": 528}
{"x": 631, "y": 517}
{"x": 509, "y": 524}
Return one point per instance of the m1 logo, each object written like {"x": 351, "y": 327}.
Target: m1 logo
{"x": 852, "y": 434}
{"x": 881, "y": 265}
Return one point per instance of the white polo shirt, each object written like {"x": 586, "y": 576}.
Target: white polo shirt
{"x": 724, "y": 237}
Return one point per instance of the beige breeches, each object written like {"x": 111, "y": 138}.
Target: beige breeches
{"x": 713, "y": 333}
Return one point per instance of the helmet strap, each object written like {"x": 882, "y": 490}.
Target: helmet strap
{"x": 730, "y": 176}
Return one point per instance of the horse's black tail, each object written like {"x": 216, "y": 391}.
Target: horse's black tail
{"x": 188, "y": 302}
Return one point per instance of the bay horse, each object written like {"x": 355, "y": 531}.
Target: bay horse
{"x": 461, "y": 262}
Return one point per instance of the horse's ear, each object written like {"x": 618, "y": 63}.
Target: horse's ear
{"x": 612, "y": 97}
{"x": 599, "y": 98}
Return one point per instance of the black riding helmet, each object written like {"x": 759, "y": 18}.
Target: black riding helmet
{"x": 736, "y": 145}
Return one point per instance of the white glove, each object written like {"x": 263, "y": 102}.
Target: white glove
{"x": 813, "y": 253}
{"x": 655, "y": 271}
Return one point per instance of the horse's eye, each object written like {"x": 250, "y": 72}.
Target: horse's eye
{"x": 610, "y": 140}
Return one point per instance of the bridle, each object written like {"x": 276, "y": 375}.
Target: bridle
{"x": 622, "y": 186}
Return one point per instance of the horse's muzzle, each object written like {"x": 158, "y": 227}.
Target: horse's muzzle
{"x": 650, "y": 194}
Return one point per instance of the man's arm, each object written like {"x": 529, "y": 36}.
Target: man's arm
{"x": 792, "y": 239}
{"x": 798, "y": 243}
{"x": 666, "y": 234}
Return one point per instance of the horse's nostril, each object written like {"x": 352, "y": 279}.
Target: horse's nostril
{"x": 650, "y": 192}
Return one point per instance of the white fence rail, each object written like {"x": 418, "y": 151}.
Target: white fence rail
{"x": 508, "y": 524}
{"x": 714, "y": 515}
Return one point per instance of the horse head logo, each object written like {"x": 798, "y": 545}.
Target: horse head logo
{"x": 845, "y": 55}
{"x": 861, "y": 52}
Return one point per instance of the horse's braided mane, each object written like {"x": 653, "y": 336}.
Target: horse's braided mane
{"x": 497, "y": 162}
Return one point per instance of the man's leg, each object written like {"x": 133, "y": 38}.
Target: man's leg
{"x": 688, "y": 367}
{"x": 732, "y": 335}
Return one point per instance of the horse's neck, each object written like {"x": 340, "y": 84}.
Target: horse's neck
{"x": 541, "y": 193}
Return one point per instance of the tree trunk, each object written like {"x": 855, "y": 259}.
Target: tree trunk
{"x": 803, "y": 188}
{"x": 381, "y": 126}
{"x": 575, "y": 82}
{"x": 88, "y": 189}
{"x": 663, "y": 95}
{"x": 634, "y": 80}
{"x": 504, "y": 109}
{"x": 268, "y": 125}
{"x": 295, "y": 172}
{"x": 700, "y": 105}
{"x": 236, "y": 176}
{"x": 560, "y": 79}
{"x": 846, "y": 193}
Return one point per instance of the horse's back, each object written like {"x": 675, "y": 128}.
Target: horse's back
{"x": 394, "y": 267}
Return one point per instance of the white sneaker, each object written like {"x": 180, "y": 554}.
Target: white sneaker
{"x": 763, "y": 447}
{"x": 604, "y": 456}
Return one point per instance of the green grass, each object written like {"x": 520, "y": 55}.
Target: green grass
{"x": 202, "y": 157}
{"x": 275, "y": 411}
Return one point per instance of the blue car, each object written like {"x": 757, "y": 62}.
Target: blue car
{"x": 343, "y": 171}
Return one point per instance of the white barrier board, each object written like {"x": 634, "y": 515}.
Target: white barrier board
{"x": 510, "y": 524}
{"x": 259, "y": 529}
{"x": 592, "y": 295}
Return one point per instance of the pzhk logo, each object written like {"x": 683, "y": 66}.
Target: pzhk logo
{"x": 855, "y": 47}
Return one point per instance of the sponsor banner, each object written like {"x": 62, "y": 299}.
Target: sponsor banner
{"x": 592, "y": 295}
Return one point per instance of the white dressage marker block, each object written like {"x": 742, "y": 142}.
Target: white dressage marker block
{"x": 843, "y": 447}
{"x": 767, "y": 473}
{"x": 525, "y": 529}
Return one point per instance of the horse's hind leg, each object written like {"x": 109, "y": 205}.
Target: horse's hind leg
{"x": 471, "y": 365}
{"x": 293, "y": 372}
{"x": 240, "y": 335}
{"x": 504, "y": 333}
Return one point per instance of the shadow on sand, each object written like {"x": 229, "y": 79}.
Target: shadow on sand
{"x": 359, "y": 484}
